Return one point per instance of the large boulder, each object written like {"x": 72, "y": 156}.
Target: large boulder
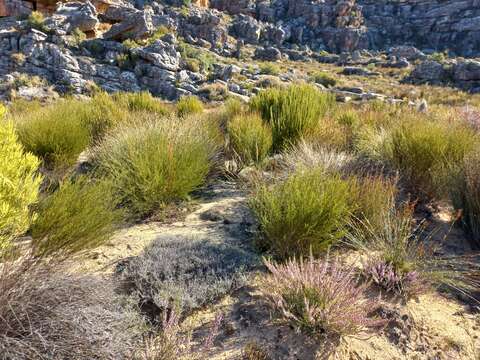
{"x": 268, "y": 54}
{"x": 247, "y": 28}
{"x": 467, "y": 70}
{"x": 407, "y": 52}
{"x": 75, "y": 15}
{"x": 161, "y": 54}
{"x": 429, "y": 71}
{"x": 133, "y": 24}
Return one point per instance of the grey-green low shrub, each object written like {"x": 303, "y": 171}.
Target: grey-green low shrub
{"x": 291, "y": 112}
{"x": 250, "y": 138}
{"x": 157, "y": 162}
{"x": 186, "y": 274}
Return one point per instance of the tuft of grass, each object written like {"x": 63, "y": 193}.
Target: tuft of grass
{"x": 465, "y": 195}
{"x": 56, "y": 133}
{"x": 323, "y": 78}
{"x": 291, "y": 112}
{"x": 79, "y": 216}
{"x": 268, "y": 68}
{"x": 19, "y": 186}
{"x": 320, "y": 297}
{"x": 189, "y": 105}
{"x": 305, "y": 214}
{"x": 250, "y": 138}
{"x": 157, "y": 162}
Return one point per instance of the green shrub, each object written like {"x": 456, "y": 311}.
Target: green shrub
{"x": 214, "y": 92}
{"x": 189, "y": 105}
{"x": 291, "y": 112}
{"x": 465, "y": 195}
{"x": 36, "y": 20}
{"x": 140, "y": 101}
{"x": 19, "y": 185}
{"x": 250, "y": 138}
{"x": 79, "y": 216}
{"x": 56, "y": 133}
{"x": 425, "y": 151}
{"x": 323, "y": 79}
{"x": 269, "y": 68}
{"x": 155, "y": 163}
{"x": 306, "y": 213}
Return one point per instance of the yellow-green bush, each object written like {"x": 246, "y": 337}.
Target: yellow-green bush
{"x": 291, "y": 112}
{"x": 425, "y": 152}
{"x": 157, "y": 162}
{"x": 56, "y": 133}
{"x": 250, "y": 138}
{"x": 78, "y": 216}
{"x": 189, "y": 105}
{"x": 306, "y": 213}
{"x": 19, "y": 185}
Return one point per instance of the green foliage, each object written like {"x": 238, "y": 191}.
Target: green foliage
{"x": 465, "y": 194}
{"x": 324, "y": 79}
{"x": 157, "y": 162}
{"x": 268, "y": 68}
{"x": 306, "y": 213}
{"x": 79, "y": 216}
{"x": 19, "y": 185}
{"x": 250, "y": 138}
{"x": 189, "y": 105}
{"x": 78, "y": 36}
{"x": 56, "y": 133}
{"x": 36, "y": 20}
{"x": 425, "y": 152}
{"x": 204, "y": 58}
{"x": 291, "y": 112}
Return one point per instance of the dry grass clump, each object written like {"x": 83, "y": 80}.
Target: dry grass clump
{"x": 465, "y": 195}
{"x": 19, "y": 186}
{"x": 323, "y": 78}
{"x": 250, "y": 138}
{"x": 45, "y": 313}
{"x": 291, "y": 112}
{"x": 197, "y": 273}
{"x": 321, "y": 297}
{"x": 157, "y": 162}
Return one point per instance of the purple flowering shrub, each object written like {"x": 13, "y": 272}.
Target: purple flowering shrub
{"x": 320, "y": 296}
{"x": 385, "y": 275}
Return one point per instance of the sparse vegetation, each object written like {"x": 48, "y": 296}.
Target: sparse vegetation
{"x": 268, "y": 68}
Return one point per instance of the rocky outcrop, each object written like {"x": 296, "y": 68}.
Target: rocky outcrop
{"x": 464, "y": 74}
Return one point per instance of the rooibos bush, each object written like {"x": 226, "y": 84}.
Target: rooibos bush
{"x": 78, "y": 216}
{"x": 157, "y": 162}
{"x": 291, "y": 112}
{"x": 306, "y": 213}
{"x": 250, "y": 138}
{"x": 19, "y": 186}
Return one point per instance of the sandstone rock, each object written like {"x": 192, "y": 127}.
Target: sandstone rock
{"x": 161, "y": 54}
{"x": 407, "y": 52}
{"x": 268, "y": 54}
{"x": 429, "y": 71}
{"x": 467, "y": 70}
{"x": 133, "y": 24}
{"x": 246, "y": 28}
{"x": 76, "y": 15}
